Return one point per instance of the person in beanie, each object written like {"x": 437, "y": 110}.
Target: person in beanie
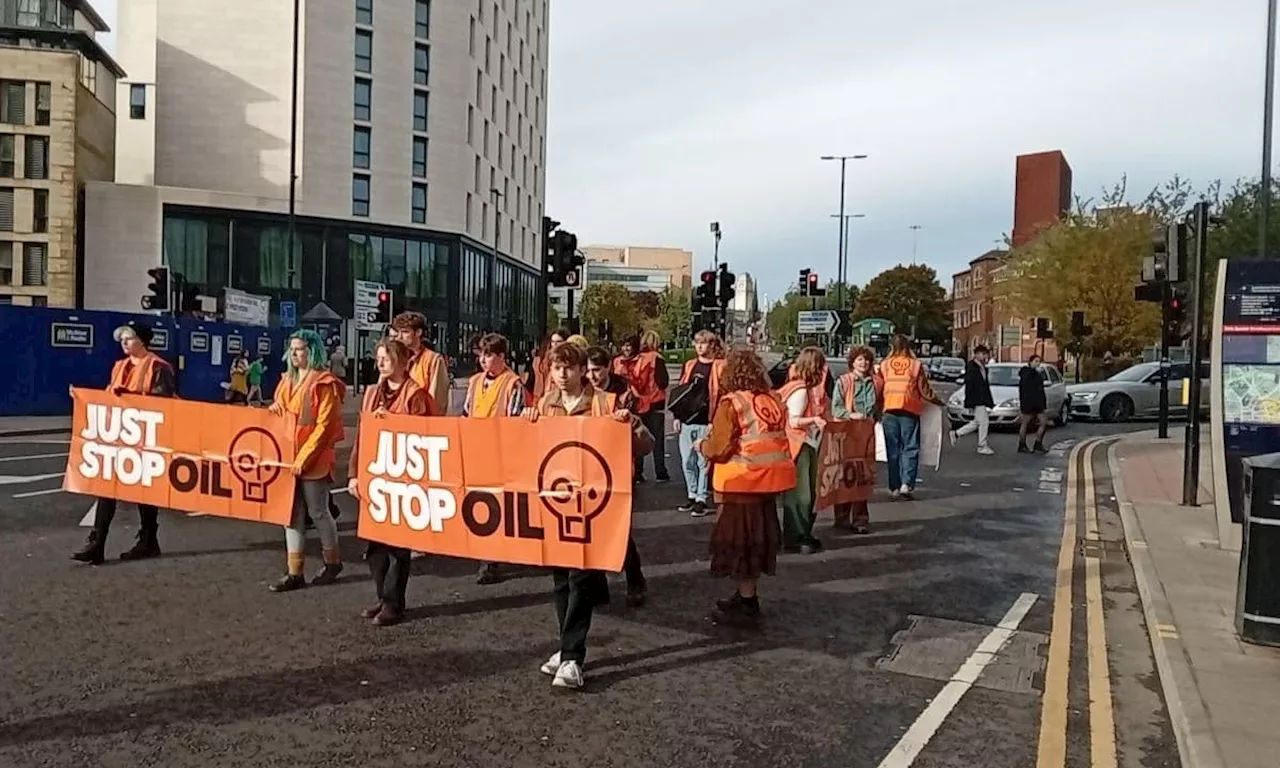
{"x": 310, "y": 392}
{"x": 141, "y": 372}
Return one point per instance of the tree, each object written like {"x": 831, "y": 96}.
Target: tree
{"x": 909, "y": 297}
{"x": 674, "y": 314}
{"x": 647, "y": 303}
{"x": 553, "y": 317}
{"x": 612, "y": 302}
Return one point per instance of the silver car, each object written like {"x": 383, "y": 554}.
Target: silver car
{"x": 1134, "y": 393}
{"x": 1003, "y": 378}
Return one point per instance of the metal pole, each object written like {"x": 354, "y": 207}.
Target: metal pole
{"x": 715, "y": 259}
{"x": 1268, "y": 100}
{"x": 840, "y": 247}
{"x": 1163, "y": 424}
{"x": 915, "y": 233}
{"x": 1191, "y": 453}
{"x": 293, "y": 146}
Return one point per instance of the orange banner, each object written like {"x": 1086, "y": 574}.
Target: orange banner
{"x": 555, "y": 493}
{"x": 219, "y": 460}
{"x": 846, "y": 462}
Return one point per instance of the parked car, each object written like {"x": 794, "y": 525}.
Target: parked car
{"x": 1134, "y": 393}
{"x": 945, "y": 368}
{"x": 1003, "y": 378}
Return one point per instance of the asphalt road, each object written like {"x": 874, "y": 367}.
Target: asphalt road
{"x": 188, "y": 660}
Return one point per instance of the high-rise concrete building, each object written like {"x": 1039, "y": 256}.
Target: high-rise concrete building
{"x": 421, "y": 155}
{"x": 57, "y": 131}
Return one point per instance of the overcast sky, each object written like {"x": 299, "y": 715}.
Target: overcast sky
{"x": 666, "y": 115}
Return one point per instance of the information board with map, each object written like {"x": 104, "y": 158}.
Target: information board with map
{"x": 1251, "y": 394}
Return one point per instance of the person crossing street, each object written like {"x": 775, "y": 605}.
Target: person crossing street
{"x": 977, "y": 397}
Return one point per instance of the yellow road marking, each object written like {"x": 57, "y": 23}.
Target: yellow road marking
{"x": 1102, "y": 724}
{"x": 1052, "y": 751}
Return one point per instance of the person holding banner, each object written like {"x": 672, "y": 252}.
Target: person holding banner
{"x": 428, "y": 368}
{"x": 808, "y": 409}
{"x": 140, "y": 372}
{"x": 313, "y": 395}
{"x": 704, "y": 370}
{"x": 859, "y": 394}
{"x": 495, "y": 392}
{"x": 751, "y": 464}
{"x": 906, "y": 392}
{"x": 577, "y": 592}
{"x": 396, "y": 392}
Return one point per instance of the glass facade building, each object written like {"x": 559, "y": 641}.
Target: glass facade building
{"x": 457, "y": 283}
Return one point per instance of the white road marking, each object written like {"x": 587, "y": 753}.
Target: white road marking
{"x": 19, "y": 479}
{"x": 87, "y": 520}
{"x": 33, "y": 441}
{"x": 926, "y": 725}
{"x": 29, "y": 494}
{"x": 36, "y": 456}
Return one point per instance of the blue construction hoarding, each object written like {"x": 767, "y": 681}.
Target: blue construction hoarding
{"x": 48, "y": 350}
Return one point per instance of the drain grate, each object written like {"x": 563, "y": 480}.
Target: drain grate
{"x": 1104, "y": 549}
{"x": 935, "y": 648}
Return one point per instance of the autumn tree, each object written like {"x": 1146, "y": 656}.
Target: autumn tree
{"x": 646, "y": 304}
{"x": 911, "y": 298}
{"x": 612, "y": 302}
{"x": 674, "y": 314}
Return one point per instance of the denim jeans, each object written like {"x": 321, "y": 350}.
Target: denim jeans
{"x": 692, "y": 462}
{"x": 902, "y": 448}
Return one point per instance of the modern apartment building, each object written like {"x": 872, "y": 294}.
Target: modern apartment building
{"x": 676, "y": 261}
{"x": 57, "y": 131}
{"x": 420, "y": 146}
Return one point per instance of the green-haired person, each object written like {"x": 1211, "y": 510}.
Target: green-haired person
{"x": 314, "y": 396}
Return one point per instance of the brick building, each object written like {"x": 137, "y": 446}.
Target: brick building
{"x": 1042, "y": 195}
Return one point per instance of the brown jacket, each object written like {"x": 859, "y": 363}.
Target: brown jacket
{"x": 552, "y": 404}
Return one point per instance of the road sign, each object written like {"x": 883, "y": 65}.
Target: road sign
{"x": 366, "y": 305}
{"x": 288, "y": 314}
{"x": 1010, "y": 336}
{"x": 817, "y": 321}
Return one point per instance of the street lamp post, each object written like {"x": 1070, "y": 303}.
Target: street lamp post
{"x": 715, "y": 259}
{"x": 840, "y": 257}
{"x": 293, "y": 149}
{"x": 1268, "y": 108}
{"x": 915, "y": 235}
{"x": 842, "y": 276}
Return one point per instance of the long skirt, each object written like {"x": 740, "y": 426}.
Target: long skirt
{"x": 746, "y": 537}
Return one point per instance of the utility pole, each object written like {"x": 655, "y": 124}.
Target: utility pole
{"x": 1191, "y": 452}
{"x": 1162, "y": 425}
{"x": 715, "y": 258}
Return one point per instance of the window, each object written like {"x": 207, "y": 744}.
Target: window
{"x": 13, "y": 102}
{"x": 137, "y": 101}
{"x": 502, "y": 71}
{"x": 419, "y": 203}
{"x": 40, "y": 211}
{"x": 6, "y": 209}
{"x": 89, "y": 73}
{"x": 359, "y": 195}
{"x": 364, "y": 98}
{"x": 486, "y": 138}
{"x": 477, "y": 174}
{"x": 37, "y": 157}
{"x": 471, "y": 125}
{"x": 34, "y": 269}
{"x": 28, "y": 13}
{"x": 421, "y": 63}
{"x": 493, "y": 103}
{"x": 6, "y": 263}
{"x": 364, "y": 50}
{"x": 467, "y": 214}
{"x": 364, "y": 11}
{"x": 479, "y": 88}
{"x": 360, "y": 147}
{"x": 44, "y": 103}
{"x": 422, "y": 19}
{"x": 488, "y": 54}
{"x": 419, "y": 111}
{"x": 7, "y": 143}
{"x": 471, "y": 38}
{"x": 420, "y": 157}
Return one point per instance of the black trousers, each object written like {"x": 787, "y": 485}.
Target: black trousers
{"x": 631, "y": 566}
{"x": 576, "y": 594}
{"x": 656, "y": 422}
{"x": 389, "y": 567}
{"x": 148, "y": 519}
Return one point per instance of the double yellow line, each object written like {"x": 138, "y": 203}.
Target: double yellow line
{"x": 1053, "y": 717}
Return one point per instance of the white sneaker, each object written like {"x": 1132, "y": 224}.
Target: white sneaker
{"x": 569, "y": 676}
{"x": 894, "y": 494}
{"x": 551, "y": 665}
{"x": 985, "y": 450}
{"x": 905, "y": 491}
{"x": 954, "y": 437}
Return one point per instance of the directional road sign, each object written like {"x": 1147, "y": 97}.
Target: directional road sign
{"x": 817, "y": 321}
{"x": 366, "y": 305}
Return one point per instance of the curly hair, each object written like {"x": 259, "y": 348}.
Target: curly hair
{"x": 315, "y": 352}
{"x": 744, "y": 372}
{"x": 809, "y": 365}
{"x": 860, "y": 351}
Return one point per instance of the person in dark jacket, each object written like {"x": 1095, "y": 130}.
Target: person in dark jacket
{"x": 1032, "y": 401}
{"x": 977, "y": 397}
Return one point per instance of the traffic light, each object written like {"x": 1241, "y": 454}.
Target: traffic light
{"x": 1175, "y": 321}
{"x": 159, "y": 289}
{"x": 706, "y": 292}
{"x": 565, "y": 260}
{"x": 804, "y": 282}
{"x": 383, "y": 313}
{"x": 1043, "y": 331}
{"x": 1176, "y": 246}
{"x": 814, "y": 290}
{"x": 1151, "y": 293}
{"x": 1078, "y": 329}
{"x": 727, "y": 279}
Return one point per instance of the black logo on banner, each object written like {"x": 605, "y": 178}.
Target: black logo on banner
{"x": 575, "y": 485}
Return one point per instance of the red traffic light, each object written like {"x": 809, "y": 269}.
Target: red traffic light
{"x": 384, "y": 296}
{"x": 813, "y": 278}
{"x": 708, "y": 276}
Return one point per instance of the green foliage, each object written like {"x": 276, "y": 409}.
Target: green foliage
{"x": 612, "y": 302}
{"x": 553, "y": 317}
{"x": 782, "y": 318}
{"x": 647, "y": 303}
{"x": 909, "y": 297}
{"x": 674, "y": 314}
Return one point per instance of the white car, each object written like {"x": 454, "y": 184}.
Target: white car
{"x": 1003, "y": 378}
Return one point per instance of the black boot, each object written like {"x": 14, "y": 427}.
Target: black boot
{"x": 488, "y": 574}
{"x": 146, "y": 546}
{"x": 91, "y": 552}
{"x": 1022, "y": 448}
{"x": 1039, "y": 448}
{"x": 289, "y": 583}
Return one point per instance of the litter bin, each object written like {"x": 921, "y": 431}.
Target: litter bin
{"x": 1258, "y": 588}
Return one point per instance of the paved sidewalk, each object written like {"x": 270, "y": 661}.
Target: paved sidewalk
{"x": 1222, "y": 694}
{"x": 26, "y": 426}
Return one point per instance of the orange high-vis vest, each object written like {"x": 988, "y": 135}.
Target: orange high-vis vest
{"x": 541, "y": 373}
{"x": 640, "y": 374}
{"x": 762, "y": 463}
{"x": 496, "y": 401}
{"x": 302, "y": 400}
{"x": 814, "y": 406}
{"x": 850, "y": 384}
{"x": 423, "y": 371}
{"x": 408, "y": 392}
{"x": 602, "y": 403}
{"x": 713, "y": 383}
{"x": 901, "y": 374}
{"x": 140, "y": 375}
